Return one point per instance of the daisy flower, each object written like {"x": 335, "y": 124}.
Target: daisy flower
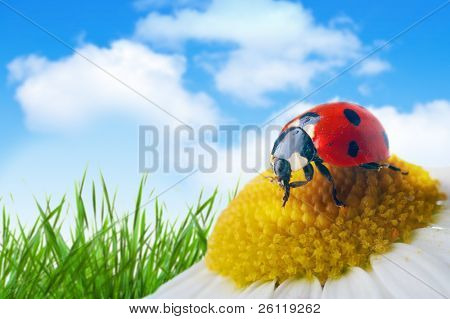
{"x": 392, "y": 240}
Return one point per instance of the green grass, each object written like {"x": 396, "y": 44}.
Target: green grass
{"x": 104, "y": 256}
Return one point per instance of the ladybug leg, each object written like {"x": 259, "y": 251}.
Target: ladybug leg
{"x": 309, "y": 174}
{"x": 394, "y": 168}
{"x": 371, "y": 166}
{"x": 326, "y": 173}
{"x": 376, "y": 166}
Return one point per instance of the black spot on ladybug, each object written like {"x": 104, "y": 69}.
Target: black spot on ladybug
{"x": 353, "y": 149}
{"x": 386, "y": 140}
{"x": 352, "y": 117}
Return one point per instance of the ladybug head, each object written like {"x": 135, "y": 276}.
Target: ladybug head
{"x": 293, "y": 150}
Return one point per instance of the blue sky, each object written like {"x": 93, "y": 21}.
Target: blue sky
{"x": 219, "y": 75}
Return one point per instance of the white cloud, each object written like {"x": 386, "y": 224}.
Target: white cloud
{"x": 23, "y": 67}
{"x": 420, "y": 136}
{"x": 176, "y": 4}
{"x": 364, "y": 89}
{"x": 373, "y": 66}
{"x": 278, "y": 45}
{"x": 69, "y": 92}
{"x": 343, "y": 20}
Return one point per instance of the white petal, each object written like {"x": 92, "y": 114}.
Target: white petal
{"x": 434, "y": 241}
{"x": 219, "y": 288}
{"x": 443, "y": 219}
{"x": 443, "y": 175}
{"x": 299, "y": 288}
{"x": 357, "y": 283}
{"x": 409, "y": 272}
{"x": 258, "y": 290}
{"x": 197, "y": 282}
{"x": 181, "y": 285}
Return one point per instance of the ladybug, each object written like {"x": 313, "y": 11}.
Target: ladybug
{"x": 339, "y": 133}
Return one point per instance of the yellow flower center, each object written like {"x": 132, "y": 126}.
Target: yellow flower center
{"x": 256, "y": 239}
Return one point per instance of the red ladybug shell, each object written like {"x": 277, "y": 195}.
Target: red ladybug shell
{"x": 344, "y": 134}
